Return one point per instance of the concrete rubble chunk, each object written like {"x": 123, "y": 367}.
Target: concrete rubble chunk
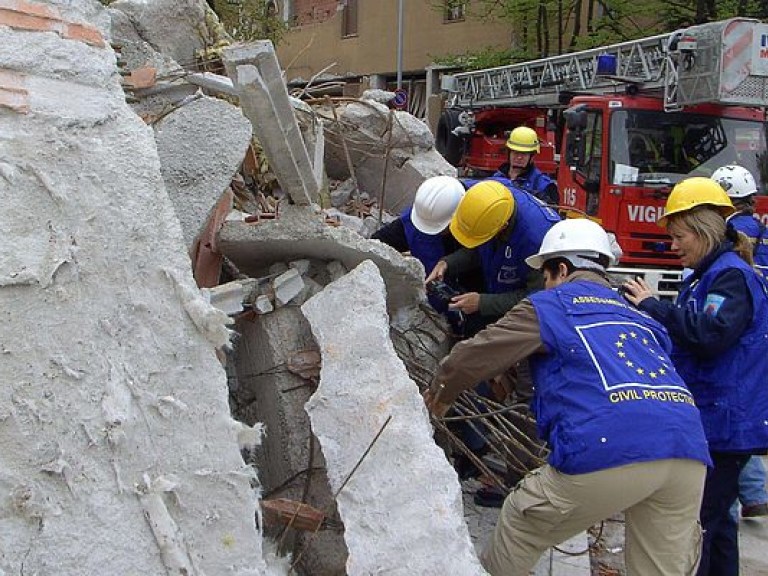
{"x": 229, "y": 297}
{"x": 287, "y": 286}
{"x": 385, "y": 146}
{"x": 119, "y": 452}
{"x": 302, "y": 265}
{"x": 256, "y": 74}
{"x": 176, "y": 28}
{"x": 136, "y": 52}
{"x": 263, "y": 304}
{"x": 402, "y": 508}
{"x": 299, "y": 233}
{"x": 201, "y": 146}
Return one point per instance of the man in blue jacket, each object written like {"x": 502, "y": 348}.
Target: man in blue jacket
{"x": 498, "y": 227}
{"x": 621, "y": 426}
{"x": 520, "y": 170}
{"x": 421, "y": 229}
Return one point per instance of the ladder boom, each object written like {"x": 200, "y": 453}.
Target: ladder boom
{"x": 718, "y": 62}
{"x": 541, "y": 81}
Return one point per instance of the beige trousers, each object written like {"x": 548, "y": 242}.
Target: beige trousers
{"x": 660, "y": 499}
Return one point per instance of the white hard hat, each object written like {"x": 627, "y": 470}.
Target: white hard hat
{"x": 435, "y": 202}
{"x": 737, "y": 181}
{"x": 575, "y": 239}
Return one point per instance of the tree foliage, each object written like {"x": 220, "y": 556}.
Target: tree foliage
{"x": 248, "y": 20}
{"x": 547, "y": 27}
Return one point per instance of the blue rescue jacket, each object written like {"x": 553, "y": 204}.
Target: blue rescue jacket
{"x": 730, "y": 389}
{"x": 504, "y": 267}
{"x": 533, "y": 180}
{"x": 607, "y": 394}
{"x": 756, "y": 231}
{"x": 427, "y": 248}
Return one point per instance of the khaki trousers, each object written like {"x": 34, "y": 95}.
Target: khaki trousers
{"x": 660, "y": 499}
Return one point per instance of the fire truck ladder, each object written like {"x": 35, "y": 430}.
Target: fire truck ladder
{"x": 640, "y": 62}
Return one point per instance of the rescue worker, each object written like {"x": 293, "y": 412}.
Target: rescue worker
{"x": 719, "y": 328}
{"x": 421, "y": 229}
{"x": 498, "y": 228}
{"x": 741, "y": 188}
{"x": 622, "y": 428}
{"x": 520, "y": 170}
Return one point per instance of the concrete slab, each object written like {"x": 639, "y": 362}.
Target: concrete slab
{"x": 301, "y": 233}
{"x": 398, "y": 496}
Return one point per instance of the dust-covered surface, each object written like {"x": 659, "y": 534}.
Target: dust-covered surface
{"x": 394, "y": 523}
{"x": 118, "y": 454}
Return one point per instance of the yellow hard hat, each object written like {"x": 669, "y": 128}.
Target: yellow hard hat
{"x": 523, "y": 139}
{"x": 483, "y": 211}
{"x": 697, "y": 191}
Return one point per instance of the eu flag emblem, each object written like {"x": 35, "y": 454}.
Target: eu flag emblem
{"x": 628, "y": 354}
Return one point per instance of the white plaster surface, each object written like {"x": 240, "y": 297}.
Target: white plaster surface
{"x": 402, "y": 508}
{"x": 201, "y": 146}
{"x": 113, "y": 405}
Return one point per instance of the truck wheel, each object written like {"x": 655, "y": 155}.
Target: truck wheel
{"x": 447, "y": 143}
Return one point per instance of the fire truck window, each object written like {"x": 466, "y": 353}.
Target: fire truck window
{"x": 590, "y": 165}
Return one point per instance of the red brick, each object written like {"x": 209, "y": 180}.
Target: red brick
{"x": 13, "y": 92}
{"x": 17, "y": 101}
{"x": 36, "y": 9}
{"x": 23, "y": 21}
{"x": 84, "y": 33}
{"x": 142, "y": 77}
{"x": 21, "y": 15}
{"x": 206, "y": 267}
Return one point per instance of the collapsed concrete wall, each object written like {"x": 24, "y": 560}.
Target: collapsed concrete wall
{"x": 119, "y": 454}
{"x": 266, "y": 386}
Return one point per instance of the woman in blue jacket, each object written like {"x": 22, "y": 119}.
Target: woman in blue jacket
{"x": 719, "y": 329}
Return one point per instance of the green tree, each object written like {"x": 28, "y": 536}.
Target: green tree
{"x": 547, "y": 27}
{"x": 248, "y": 20}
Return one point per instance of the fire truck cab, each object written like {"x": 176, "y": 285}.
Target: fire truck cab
{"x": 623, "y": 154}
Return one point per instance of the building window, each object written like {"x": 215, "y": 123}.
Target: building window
{"x": 453, "y": 11}
{"x": 349, "y": 19}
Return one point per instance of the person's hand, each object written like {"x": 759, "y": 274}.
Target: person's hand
{"x": 435, "y": 407}
{"x": 438, "y": 271}
{"x": 637, "y": 290}
{"x": 469, "y": 302}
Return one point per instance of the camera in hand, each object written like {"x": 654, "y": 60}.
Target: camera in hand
{"x": 441, "y": 291}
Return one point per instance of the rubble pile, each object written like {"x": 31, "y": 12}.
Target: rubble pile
{"x": 215, "y": 336}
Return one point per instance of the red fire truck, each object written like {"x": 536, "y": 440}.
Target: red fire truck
{"x": 630, "y": 120}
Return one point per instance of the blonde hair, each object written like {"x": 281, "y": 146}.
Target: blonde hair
{"x": 709, "y": 225}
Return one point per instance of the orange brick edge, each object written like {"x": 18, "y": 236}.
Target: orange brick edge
{"x": 22, "y": 15}
{"x": 13, "y": 92}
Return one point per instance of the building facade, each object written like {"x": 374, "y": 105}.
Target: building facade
{"x": 356, "y": 43}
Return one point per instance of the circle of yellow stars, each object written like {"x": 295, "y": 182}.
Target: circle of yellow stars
{"x": 631, "y": 336}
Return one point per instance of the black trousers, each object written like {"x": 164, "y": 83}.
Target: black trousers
{"x": 720, "y": 545}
